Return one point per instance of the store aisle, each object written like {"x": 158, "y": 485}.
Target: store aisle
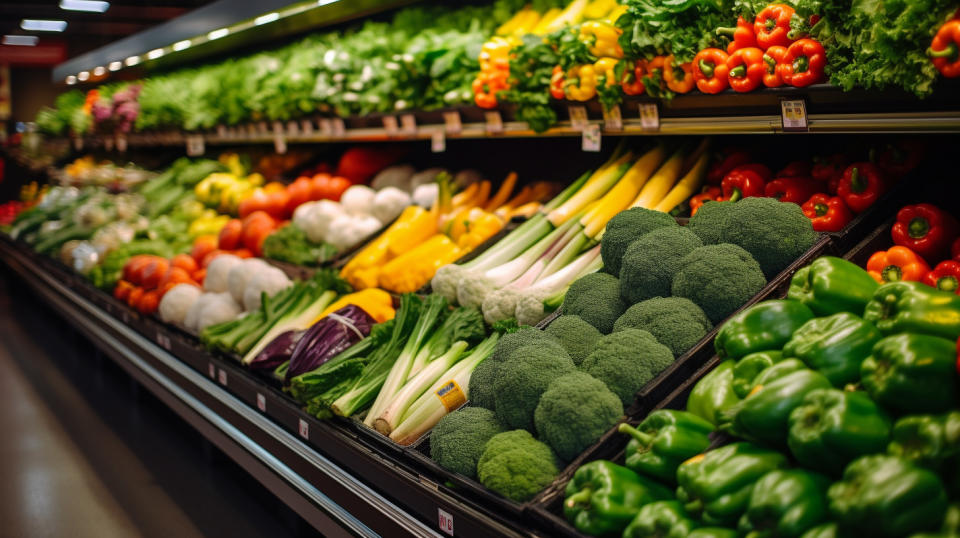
{"x": 85, "y": 452}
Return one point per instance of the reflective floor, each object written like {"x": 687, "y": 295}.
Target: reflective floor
{"x": 86, "y": 452}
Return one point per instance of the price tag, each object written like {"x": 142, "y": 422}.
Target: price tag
{"x": 451, "y": 121}
{"x": 252, "y": 129}
{"x": 262, "y": 127}
{"x": 78, "y": 144}
{"x": 304, "y": 429}
{"x": 494, "y": 122}
{"x": 122, "y": 143}
{"x": 445, "y": 521}
{"x": 793, "y": 114}
{"x": 195, "y": 146}
{"x": 390, "y": 125}
{"x": 307, "y": 127}
{"x": 222, "y": 131}
{"x": 211, "y": 370}
{"x": 163, "y": 340}
{"x": 612, "y": 119}
{"x": 578, "y": 116}
{"x": 438, "y": 142}
{"x": 408, "y": 124}
{"x": 326, "y": 127}
{"x": 279, "y": 143}
{"x": 222, "y": 377}
{"x": 649, "y": 117}
{"x": 591, "y": 137}
{"x": 339, "y": 128}
{"x": 261, "y": 403}
{"x": 293, "y": 128}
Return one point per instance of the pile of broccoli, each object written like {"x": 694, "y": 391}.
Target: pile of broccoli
{"x": 516, "y": 465}
{"x": 457, "y": 441}
{"x": 650, "y": 262}
{"x": 719, "y": 279}
{"x": 596, "y": 299}
{"x": 626, "y": 361}
{"x": 775, "y": 233}
{"x": 574, "y": 412}
{"x": 625, "y": 228}
{"x": 675, "y": 322}
{"x": 575, "y": 335}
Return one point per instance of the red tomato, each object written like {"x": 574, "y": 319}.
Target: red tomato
{"x": 298, "y": 192}
{"x": 133, "y": 298}
{"x": 122, "y": 290}
{"x": 199, "y": 275}
{"x": 176, "y": 275}
{"x": 203, "y": 245}
{"x": 242, "y": 253}
{"x": 148, "y": 302}
{"x": 185, "y": 262}
{"x": 277, "y": 204}
{"x": 213, "y": 254}
{"x": 153, "y": 273}
{"x": 255, "y": 202}
{"x": 326, "y": 187}
{"x": 359, "y": 164}
{"x": 131, "y": 269}
{"x": 254, "y": 233}
{"x": 230, "y": 235}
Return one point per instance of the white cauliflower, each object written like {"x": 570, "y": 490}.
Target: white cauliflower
{"x": 395, "y": 176}
{"x": 529, "y": 309}
{"x": 217, "y": 272}
{"x": 473, "y": 288}
{"x": 358, "y": 200}
{"x": 500, "y": 305}
{"x": 177, "y": 302}
{"x": 269, "y": 281}
{"x": 218, "y": 309}
{"x": 347, "y": 231}
{"x": 241, "y": 274}
{"x": 446, "y": 279}
{"x": 426, "y": 195}
{"x": 389, "y": 203}
{"x": 315, "y": 220}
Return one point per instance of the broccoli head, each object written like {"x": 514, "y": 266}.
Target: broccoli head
{"x": 480, "y": 387}
{"x": 650, "y": 262}
{"x": 626, "y": 361}
{"x": 596, "y": 299}
{"x": 675, "y": 322}
{"x": 775, "y": 233}
{"x": 575, "y": 412}
{"x": 524, "y": 336}
{"x": 626, "y": 227}
{"x": 458, "y": 439}
{"x": 575, "y": 335}
{"x": 719, "y": 279}
{"x": 521, "y": 380}
{"x": 708, "y": 220}
{"x": 516, "y": 465}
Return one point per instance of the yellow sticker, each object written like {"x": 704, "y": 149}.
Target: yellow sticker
{"x": 451, "y": 395}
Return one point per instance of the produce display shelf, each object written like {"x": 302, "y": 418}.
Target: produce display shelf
{"x": 336, "y": 480}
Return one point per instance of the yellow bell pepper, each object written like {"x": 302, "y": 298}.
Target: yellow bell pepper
{"x": 601, "y": 39}
{"x": 614, "y": 14}
{"x": 598, "y": 8}
{"x": 543, "y": 25}
{"x": 207, "y": 225}
{"x": 412, "y": 227}
{"x": 411, "y": 271}
{"x": 495, "y": 54}
{"x": 581, "y": 83}
{"x": 605, "y": 70}
{"x": 374, "y": 301}
{"x": 480, "y": 227}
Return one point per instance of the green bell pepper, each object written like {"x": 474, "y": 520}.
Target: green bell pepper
{"x": 832, "y": 427}
{"x": 831, "y": 285}
{"x": 900, "y": 307}
{"x": 662, "y": 519}
{"x": 825, "y": 530}
{"x": 715, "y": 486}
{"x": 762, "y": 327}
{"x": 883, "y": 495}
{"x": 664, "y": 440}
{"x": 602, "y": 498}
{"x": 764, "y": 415}
{"x": 912, "y": 373}
{"x": 747, "y": 369}
{"x": 785, "y": 503}
{"x": 713, "y": 393}
{"x": 835, "y": 346}
{"x": 712, "y": 532}
{"x": 926, "y": 440}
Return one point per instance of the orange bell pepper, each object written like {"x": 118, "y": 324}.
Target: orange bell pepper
{"x": 679, "y": 78}
{"x": 710, "y": 70}
{"x": 897, "y": 263}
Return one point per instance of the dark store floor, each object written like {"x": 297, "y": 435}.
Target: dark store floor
{"x": 85, "y": 452}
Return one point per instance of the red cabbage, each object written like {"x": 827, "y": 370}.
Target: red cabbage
{"x": 328, "y": 337}
{"x": 278, "y": 351}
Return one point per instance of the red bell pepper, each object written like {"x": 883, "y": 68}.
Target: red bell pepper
{"x": 861, "y": 185}
{"x": 945, "y": 277}
{"x": 926, "y": 229}
{"x": 729, "y": 159}
{"x": 795, "y": 169}
{"x": 772, "y": 57}
{"x": 944, "y": 50}
{"x": 827, "y": 214}
{"x": 898, "y": 160}
{"x": 955, "y": 250}
{"x": 897, "y": 263}
{"x": 745, "y": 181}
{"x": 653, "y": 80}
{"x": 679, "y": 77}
{"x": 487, "y": 85}
{"x": 741, "y": 36}
{"x": 792, "y": 189}
{"x": 632, "y": 80}
{"x": 803, "y": 64}
{"x": 710, "y": 70}
{"x": 746, "y": 69}
{"x": 772, "y": 26}
{"x": 830, "y": 170}
{"x": 556, "y": 84}
{"x": 709, "y": 194}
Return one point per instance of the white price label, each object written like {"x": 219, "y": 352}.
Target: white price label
{"x": 445, "y": 521}
{"x": 163, "y": 340}
{"x": 591, "y": 137}
{"x": 195, "y": 146}
{"x": 438, "y": 142}
{"x": 222, "y": 131}
{"x": 408, "y": 124}
{"x": 612, "y": 119}
{"x": 326, "y": 127}
{"x": 494, "y": 122}
{"x": 222, "y": 377}
{"x": 339, "y": 128}
{"x": 122, "y": 143}
{"x": 451, "y": 121}
{"x": 390, "y": 125}
{"x": 304, "y": 429}
{"x": 211, "y": 370}
{"x": 794, "y": 114}
{"x": 307, "y": 127}
{"x": 252, "y": 129}
{"x": 279, "y": 143}
{"x": 649, "y": 117}
{"x": 578, "y": 116}
{"x": 261, "y": 403}
{"x": 262, "y": 127}
{"x": 293, "y": 128}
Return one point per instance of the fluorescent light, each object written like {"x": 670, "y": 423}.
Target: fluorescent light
{"x": 325, "y": 2}
{"x": 41, "y": 25}
{"x": 132, "y": 61}
{"x": 85, "y": 5}
{"x": 181, "y": 45}
{"x": 115, "y": 66}
{"x": 20, "y": 40}
{"x": 83, "y": 75}
{"x": 217, "y": 34}
{"x": 154, "y": 54}
{"x": 99, "y": 71}
{"x": 264, "y": 19}
{"x": 71, "y": 80}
